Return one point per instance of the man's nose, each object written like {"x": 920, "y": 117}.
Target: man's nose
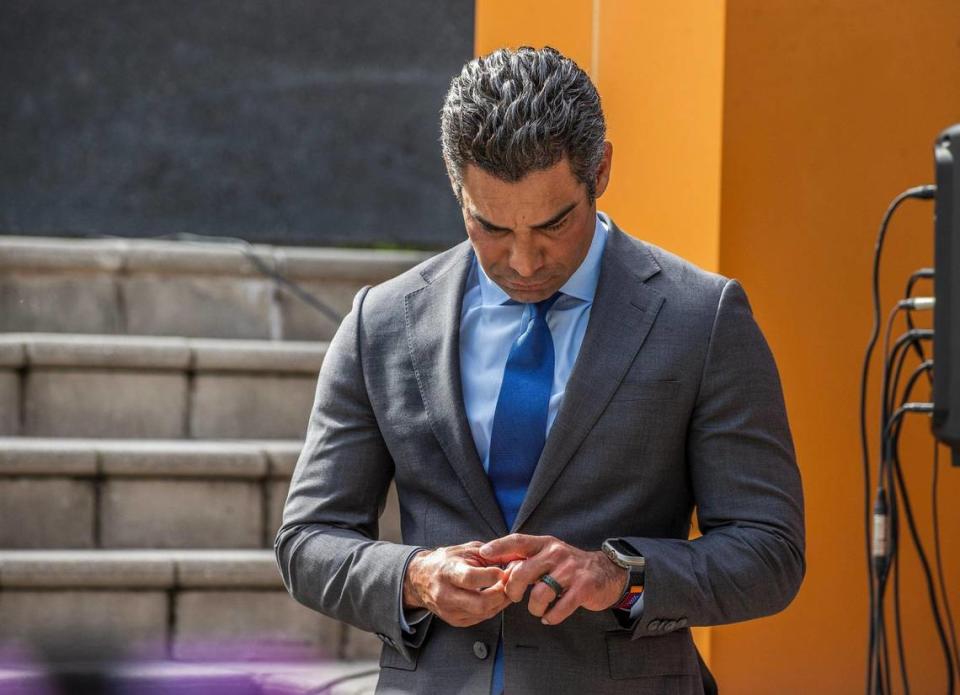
{"x": 525, "y": 259}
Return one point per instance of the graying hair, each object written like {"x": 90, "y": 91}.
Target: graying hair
{"x": 514, "y": 112}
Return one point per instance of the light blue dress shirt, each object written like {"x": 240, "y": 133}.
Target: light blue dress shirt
{"x": 489, "y": 324}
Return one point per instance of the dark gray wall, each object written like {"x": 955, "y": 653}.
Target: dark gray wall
{"x": 304, "y": 122}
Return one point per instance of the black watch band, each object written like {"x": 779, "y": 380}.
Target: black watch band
{"x": 625, "y": 555}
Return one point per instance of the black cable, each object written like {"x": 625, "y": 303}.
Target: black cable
{"x": 883, "y": 646}
{"x": 931, "y": 592}
{"x": 888, "y": 358}
{"x": 901, "y": 345}
{"x": 922, "y": 192}
{"x": 935, "y": 507}
{"x": 901, "y": 655}
{"x": 878, "y": 571}
{"x": 926, "y": 366}
{"x": 894, "y": 519}
{"x": 887, "y": 491}
{"x": 898, "y": 369}
{"x": 887, "y": 483}
{"x": 886, "y": 565}
{"x": 921, "y": 274}
{"x": 893, "y": 431}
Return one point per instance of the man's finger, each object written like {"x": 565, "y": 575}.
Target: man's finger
{"x": 475, "y": 605}
{"x": 510, "y": 565}
{"x": 469, "y": 577}
{"x": 541, "y": 596}
{"x": 561, "y": 610}
{"x": 516, "y": 546}
{"x": 494, "y": 601}
{"x": 524, "y": 574}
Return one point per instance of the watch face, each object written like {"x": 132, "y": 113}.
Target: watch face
{"x": 623, "y": 554}
{"x": 622, "y": 547}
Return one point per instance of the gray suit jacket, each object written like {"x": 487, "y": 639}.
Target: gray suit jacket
{"x": 674, "y": 403}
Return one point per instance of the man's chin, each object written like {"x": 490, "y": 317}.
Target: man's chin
{"x": 536, "y": 293}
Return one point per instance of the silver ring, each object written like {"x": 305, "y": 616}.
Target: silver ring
{"x": 553, "y": 584}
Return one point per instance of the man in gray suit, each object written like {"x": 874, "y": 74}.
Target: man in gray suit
{"x": 553, "y": 399}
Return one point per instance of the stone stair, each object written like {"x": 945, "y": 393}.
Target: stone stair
{"x": 186, "y": 288}
{"x": 156, "y": 387}
{"x": 153, "y": 401}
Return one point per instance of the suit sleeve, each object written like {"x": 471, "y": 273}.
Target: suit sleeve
{"x": 327, "y": 548}
{"x": 749, "y": 562}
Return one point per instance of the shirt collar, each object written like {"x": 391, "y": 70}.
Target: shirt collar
{"x": 582, "y": 284}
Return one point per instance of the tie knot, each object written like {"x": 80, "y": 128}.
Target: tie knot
{"x": 543, "y": 306}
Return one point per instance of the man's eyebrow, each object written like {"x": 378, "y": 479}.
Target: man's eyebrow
{"x": 488, "y": 225}
{"x": 556, "y": 218}
{"x": 549, "y": 223}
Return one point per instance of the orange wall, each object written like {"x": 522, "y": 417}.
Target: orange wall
{"x": 830, "y": 109}
{"x": 764, "y": 139}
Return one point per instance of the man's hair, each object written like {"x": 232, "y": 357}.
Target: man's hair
{"x": 514, "y": 112}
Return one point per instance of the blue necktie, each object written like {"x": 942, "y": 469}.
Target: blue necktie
{"x": 520, "y": 426}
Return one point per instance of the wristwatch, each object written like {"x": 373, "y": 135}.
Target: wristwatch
{"x": 625, "y": 555}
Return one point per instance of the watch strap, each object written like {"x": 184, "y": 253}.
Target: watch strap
{"x": 632, "y": 591}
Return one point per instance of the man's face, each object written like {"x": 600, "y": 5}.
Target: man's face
{"x": 531, "y": 235}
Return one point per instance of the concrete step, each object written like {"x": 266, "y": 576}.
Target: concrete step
{"x": 178, "y": 678}
{"x": 185, "y": 288}
{"x": 186, "y": 605}
{"x": 157, "y": 387}
{"x": 99, "y": 493}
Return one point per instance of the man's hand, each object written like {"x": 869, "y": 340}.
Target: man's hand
{"x": 456, "y": 584}
{"x": 589, "y": 578}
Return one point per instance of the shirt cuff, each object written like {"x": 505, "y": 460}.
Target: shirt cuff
{"x": 628, "y": 619}
{"x": 637, "y": 609}
{"x": 415, "y": 615}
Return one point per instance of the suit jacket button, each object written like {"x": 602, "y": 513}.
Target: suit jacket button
{"x": 480, "y": 650}
{"x": 682, "y": 622}
{"x": 653, "y": 625}
{"x": 668, "y": 625}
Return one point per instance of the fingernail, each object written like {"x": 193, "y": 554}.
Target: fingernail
{"x": 544, "y": 621}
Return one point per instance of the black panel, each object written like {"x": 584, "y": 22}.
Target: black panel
{"x": 946, "y": 371}
{"x": 289, "y": 122}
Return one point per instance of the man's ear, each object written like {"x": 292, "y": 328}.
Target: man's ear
{"x": 603, "y": 171}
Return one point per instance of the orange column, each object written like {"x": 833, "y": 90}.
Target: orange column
{"x": 661, "y": 82}
{"x": 659, "y": 70}
{"x": 567, "y": 25}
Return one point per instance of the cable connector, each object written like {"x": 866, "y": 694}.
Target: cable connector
{"x": 924, "y": 192}
{"x": 880, "y": 545}
{"x": 916, "y": 334}
{"x": 917, "y": 407}
{"x": 917, "y": 303}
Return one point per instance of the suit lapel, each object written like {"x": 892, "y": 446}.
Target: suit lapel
{"x": 432, "y": 316}
{"x": 622, "y": 314}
